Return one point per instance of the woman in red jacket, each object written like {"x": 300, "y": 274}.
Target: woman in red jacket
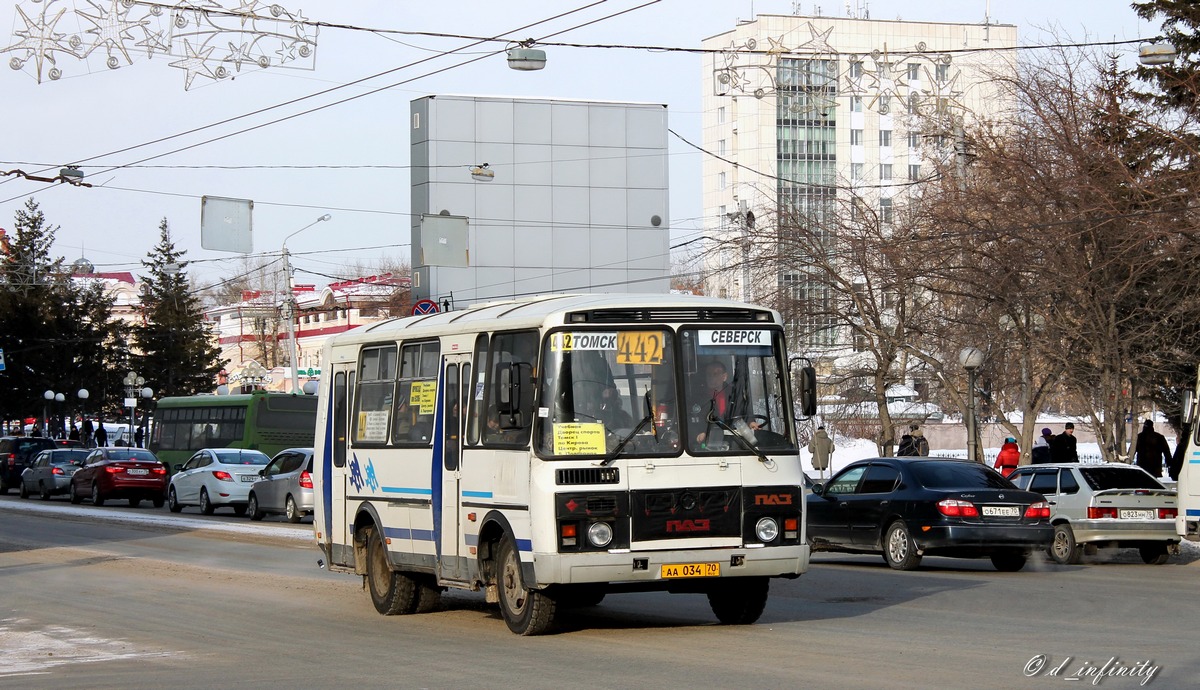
{"x": 1009, "y": 457}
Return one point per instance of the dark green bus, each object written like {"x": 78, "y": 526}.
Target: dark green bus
{"x": 269, "y": 422}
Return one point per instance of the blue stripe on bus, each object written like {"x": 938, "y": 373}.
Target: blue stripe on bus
{"x": 405, "y": 490}
{"x": 1193, "y": 512}
{"x": 522, "y": 544}
{"x": 1194, "y": 461}
{"x": 477, "y": 494}
{"x": 406, "y": 533}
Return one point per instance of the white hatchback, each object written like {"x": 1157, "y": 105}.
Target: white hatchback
{"x": 215, "y": 477}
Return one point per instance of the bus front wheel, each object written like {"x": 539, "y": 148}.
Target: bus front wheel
{"x": 391, "y": 592}
{"x": 739, "y": 601}
{"x": 525, "y": 611}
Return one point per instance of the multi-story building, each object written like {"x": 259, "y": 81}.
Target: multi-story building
{"x": 802, "y": 112}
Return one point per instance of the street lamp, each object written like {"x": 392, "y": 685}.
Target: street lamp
{"x": 971, "y": 359}
{"x": 82, "y": 394}
{"x": 290, "y": 302}
{"x": 49, "y": 396}
{"x": 133, "y": 389}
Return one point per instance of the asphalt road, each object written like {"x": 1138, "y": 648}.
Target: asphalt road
{"x": 138, "y": 598}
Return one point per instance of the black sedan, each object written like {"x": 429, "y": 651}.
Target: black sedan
{"x": 909, "y": 507}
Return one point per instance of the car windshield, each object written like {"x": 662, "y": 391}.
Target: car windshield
{"x": 241, "y": 457}
{"x": 957, "y": 475}
{"x": 68, "y": 456}
{"x": 1101, "y": 478}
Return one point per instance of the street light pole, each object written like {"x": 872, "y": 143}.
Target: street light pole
{"x": 971, "y": 359}
{"x": 290, "y": 303}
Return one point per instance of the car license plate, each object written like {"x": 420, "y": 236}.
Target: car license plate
{"x": 137, "y": 470}
{"x": 1002, "y": 511}
{"x": 249, "y": 477}
{"x": 1138, "y": 514}
{"x": 691, "y": 570}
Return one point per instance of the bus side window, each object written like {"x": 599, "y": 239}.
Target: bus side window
{"x": 510, "y": 349}
{"x": 475, "y": 395}
{"x": 339, "y": 419}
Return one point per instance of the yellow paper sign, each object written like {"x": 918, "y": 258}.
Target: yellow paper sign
{"x": 579, "y": 438}
{"x": 423, "y": 396}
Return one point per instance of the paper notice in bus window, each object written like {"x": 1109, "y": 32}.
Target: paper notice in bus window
{"x": 372, "y": 426}
{"x": 582, "y": 340}
{"x": 579, "y": 438}
{"x": 423, "y": 396}
{"x": 639, "y": 347}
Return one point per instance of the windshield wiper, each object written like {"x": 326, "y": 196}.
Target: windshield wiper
{"x": 714, "y": 419}
{"x": 625, "y": 441}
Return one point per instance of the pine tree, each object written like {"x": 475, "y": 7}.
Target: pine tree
{"x": 57, "y": 334}
{"x": 175, "y": 351}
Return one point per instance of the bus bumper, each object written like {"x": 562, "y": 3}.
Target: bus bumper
{"x": 624, "y": 566}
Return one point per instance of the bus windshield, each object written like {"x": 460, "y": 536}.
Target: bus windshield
{"x": 600, "y": 388}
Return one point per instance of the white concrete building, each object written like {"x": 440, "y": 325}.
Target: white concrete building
{"x": 808, "y": 110}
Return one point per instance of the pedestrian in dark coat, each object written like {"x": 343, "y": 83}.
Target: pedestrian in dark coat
{"x": 101, "y": 435}
{"x": 1062, "y": 448}
{"x": 1040, "y": 454}
{"x": 1152, "y": 450}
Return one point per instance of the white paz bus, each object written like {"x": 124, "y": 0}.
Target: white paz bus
{"x": 552, "y": 450}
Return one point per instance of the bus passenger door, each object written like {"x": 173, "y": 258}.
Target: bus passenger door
{"x": 452, "y": 561}
{"x": 337, "y": 524}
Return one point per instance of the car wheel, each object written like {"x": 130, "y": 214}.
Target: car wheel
{"x": 173, "y": 501}
{"x": 43, "y": 492}
{"x": 525, "y": 611}
{"x": 157, "y": 502}
{"x": 739, "y": 601}
{"x": 293, "y": 513}
{"x": 23, "y": 492}
{"x": 97, "y": 497}
{"x": 1064, "y": 550}
{"x": 75, "y": 497}
{"x": 1155, "y": 553}
{"x": 135, "y": 502}
{"x": 899, "y": 549}
{"x": 391, "y": 592}
{"x": 3, "y": 488}
{"x": 206, "y": 506}
{"x": 1009, "y": 561}
{"x": 252, "y": 508}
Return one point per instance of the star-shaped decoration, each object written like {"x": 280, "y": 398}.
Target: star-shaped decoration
{"x": 196, "y": 63}
{"x": 155, "y": 41}
{"x": 818, "y": 43}
{"x": 111, "y": 28}
{"x": 777, "y": 47}
{"x": 286, "y": 52}
{"x": 299, "y": 22}
{"x": 39, "y": 40}
{"x": 247, "y": 11}
{"x": 239, "y": 54}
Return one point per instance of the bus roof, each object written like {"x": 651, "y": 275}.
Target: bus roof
{"x": 541, "y": 310}
{"x": 211, "y": 400}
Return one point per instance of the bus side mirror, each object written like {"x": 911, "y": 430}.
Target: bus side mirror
{"x": 514, "y": 394}
{"x": 806, "y": 391}
{"x": 1188, "y": 405}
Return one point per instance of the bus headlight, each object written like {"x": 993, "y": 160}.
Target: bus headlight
{"x": 600, "y": 534}
{"x": 766, "y": 529}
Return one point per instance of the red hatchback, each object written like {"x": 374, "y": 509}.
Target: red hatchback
{"x": 131, "y": 473}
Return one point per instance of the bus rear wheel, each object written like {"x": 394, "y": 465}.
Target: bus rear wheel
{"x": 739, "y": 601}
{"x": 525, "y": 611}
{"x": 391, "y": 592}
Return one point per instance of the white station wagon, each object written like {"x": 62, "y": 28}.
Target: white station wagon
{"x": 1107, "y": 505}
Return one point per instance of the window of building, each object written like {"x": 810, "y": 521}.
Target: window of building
{"x": 885, "y": 210}
{"x": 885, "y": 137}
{"x": 885, "y": 104}
{"x": 943, "y": 72}
{"x": 721, "y": 147}
{"x": 856, "y": 69}
{"x": 856, "y": 104}
{"x": 913, "y": 104}
{"x": 856, "y": 137}
{"x": 885, "y": 172}
{"x": 914, "y": 71}
{"x": 721, "y": 180}
{"x": 914, "y": 172}
{"x": 914, "y": 140}
{"x": 856, "y": 172}
{"x": 721, "y": 115}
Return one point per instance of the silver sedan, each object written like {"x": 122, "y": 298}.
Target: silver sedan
{"x": 50, "y": 471}
{"x": 286, "y": 486}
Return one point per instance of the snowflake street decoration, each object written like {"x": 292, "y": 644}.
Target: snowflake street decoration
{"x": 207, "y": 39}
{"x": 882, "y": 80}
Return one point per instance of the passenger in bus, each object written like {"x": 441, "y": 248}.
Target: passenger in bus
{"x": 612, "y": 412}
{"x": 713, "y": 396}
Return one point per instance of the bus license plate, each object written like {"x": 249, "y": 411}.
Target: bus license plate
{"x": 691, "y": 570}
{"x": 1138, "y": 515}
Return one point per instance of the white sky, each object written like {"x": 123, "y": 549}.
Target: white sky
{"x": 93, "y": 110}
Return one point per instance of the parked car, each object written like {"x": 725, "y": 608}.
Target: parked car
{"x": 1107, "y": 505}
{"x": 215, "y": 477}
{"x": 68, "y": 443}
{"x": 50, "y": 472}
{"x": 285, "y": 487}
{"x": 120, "y": 472}
{"x": 907, "y": 508}
{"x": 15, "y": 454}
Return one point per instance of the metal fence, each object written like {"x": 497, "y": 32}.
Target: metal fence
{"x": 989, "y": 456}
